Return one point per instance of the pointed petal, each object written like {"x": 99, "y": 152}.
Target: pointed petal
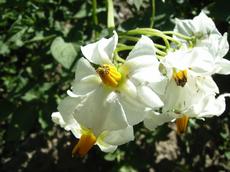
{"x": 86, "y": 85}
{"x": 211, "y": 106}
{"x": 105, "y": 147}
{"x": 149, "y": 97}
{"x": 100, "y": 111}
{"x": 119, "y": 137}
{"x": 86, "y": 79}
{"x": 101, "y": 52}
{"x": 144, "y": 46}
{"x": 83, "y": 69}
{"x": 134, "y": 110}
{"x": 147, "y": 74}
{"x": 224, "y": 67}
{"x": 223, "y": 46}
{"x": 66, "y": 109}
{"x": 154, "y": 120}
{"x": 142, "y": 55}
{"x": 57, "y": 119}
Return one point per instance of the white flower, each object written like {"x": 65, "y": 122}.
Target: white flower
{"x": 190, "y": 91}
{"x": 111, "y": 97}
{"x": 107, "y": 141}
{"x": 113, "y": 92}
{"x": 206, "y": 35}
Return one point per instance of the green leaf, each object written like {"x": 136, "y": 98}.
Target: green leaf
{"x": 82, "y": 12}
{"x": 227, "y": 155}
{"x": 63, "y": 52}
{"x": 4, "y": 49}
{"x": 16, "y": 39}
{"x": 138, "y": 4}
{"x": 127, "y": 168}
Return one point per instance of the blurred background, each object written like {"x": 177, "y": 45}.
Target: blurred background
{"x": 36, "y": 71}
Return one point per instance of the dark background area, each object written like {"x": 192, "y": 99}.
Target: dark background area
{"x": 32, "y": 82}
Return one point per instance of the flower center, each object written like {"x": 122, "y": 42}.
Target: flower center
{"x": 109, "y": 75}
{"x": 180, "y": 77}
{"x": 85, "y": 143}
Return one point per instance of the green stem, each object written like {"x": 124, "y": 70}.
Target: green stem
{"x": 163, "y": 34}
{"x": 110, "y": 15}
{"x": 178, "y": 35}
{"x": 40, "y": 39}
{"x": 95, "y": 19}
{"x": 162, "y": 53}
{"x": 159, "y": 57}
{"x": 159, "y": 46}
{"x": 153, "y": 13}
{"x": 123, "y": 47}
{"x": 150, "y": 32}
{"x": 130, "y": 38}
{"x": 118, "y": 58}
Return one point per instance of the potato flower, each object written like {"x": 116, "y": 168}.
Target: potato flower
{"x": 207, "y": 37}
{"x": 108, "y": 97}
{"x": 107, "y": 141}
{"x": 190, "y": 90}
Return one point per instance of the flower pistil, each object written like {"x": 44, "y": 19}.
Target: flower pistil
{"x": 180, "y": 77}
{"x": 85, "y": 143}
{"x": 182, "y": 124}
{"x": 109, "y": 75}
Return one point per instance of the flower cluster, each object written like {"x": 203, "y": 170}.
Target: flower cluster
{"x": 155, "y": 84}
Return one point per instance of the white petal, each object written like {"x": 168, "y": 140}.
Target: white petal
{"x": 86, "y": 78}
{"x": 86, "y": 85}
{"x": 66, "y": 109}
{"x": 212, "y": 106}
{"x": 147, "y": 74}
{"x": 134, "y": 109}
{"x": 159, "y": 87}
{"x": 106, "y": 147}
{"x": 73, "y": 126}
{"x": 154, "y": 120}
{"x": 101, "y": 52}
{"x": 201, "y": 61}
{"x": 185, "y": 27}
{"x": 223, "y": 46}
{"x": 205, "y": 24}
{"x": 217, "y": 44}
{"x": 57, "y": 119}
{"x": 197, "y": 59}
{"x": 101, "y": 111}
{"x": 224, "y": 67}
{"x": 179, "y": 99}
{"x": 128, "y": 89}
{"x": 140, "y": 62}
{"x": 149, "y": 97}
{"x": 119, "y": 137}
{"x": 83, "y": 69}
{"x": 201, "y": 26}
{"x": 207, "y": 84}
{"x": 144, "y": 46}
{"x": 142, "y": 55}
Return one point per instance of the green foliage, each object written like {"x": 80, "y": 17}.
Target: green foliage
{"x": 39, "y": 45}
{"x": 63, "y": 52}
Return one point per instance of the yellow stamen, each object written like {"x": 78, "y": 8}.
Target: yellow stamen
{"x": 85, "y": 143}
{"x": 180, "y": 77}
{"x": 109, "y": 75}
{"x": 182, "y": 124}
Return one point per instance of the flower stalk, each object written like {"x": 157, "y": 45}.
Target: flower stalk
{"x": 153, "y": 5}
{"x": 95, "y": 19}
{"x": 110, "y": 15}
